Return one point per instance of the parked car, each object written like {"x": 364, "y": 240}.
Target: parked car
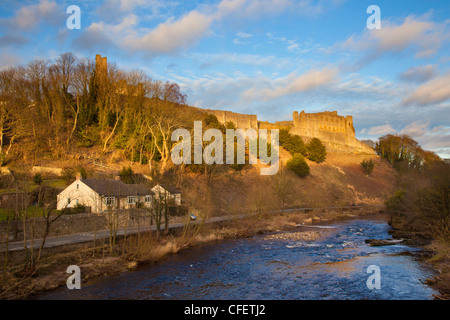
{"x": 192, "y": 216}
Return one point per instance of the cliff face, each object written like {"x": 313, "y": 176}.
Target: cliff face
{"x": 337, "y": 132}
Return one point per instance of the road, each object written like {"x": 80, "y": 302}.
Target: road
{"x": 104, "y": 234}
{"x": 99, "y": 235}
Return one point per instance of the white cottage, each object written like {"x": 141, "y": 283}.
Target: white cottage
{"x": 167, "y": 192}
{"x": 103, "y": 194}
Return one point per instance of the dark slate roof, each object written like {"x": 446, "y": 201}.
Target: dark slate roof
{"x": 169, "y": 188}
{"x": 116, "y": 188}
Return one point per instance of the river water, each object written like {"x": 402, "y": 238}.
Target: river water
{"x": 333, "y": 267}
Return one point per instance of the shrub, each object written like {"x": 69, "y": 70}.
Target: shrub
{"x": 298, "y": 165}
{"x": 284, "y": 137}
{"x": 126, "y": 175}
{"x": 292, "y": 143}
{"x": 83, "y": 172}
{"x": 296, "y": 145}
{"x": 367, "y": 166}
{"x": 317, "y": 151}
{"x": 395, "y": 202}
{"x": 68, "y": 174}
{"x": 79, "y": 208}
{"x": 37, "y": 179}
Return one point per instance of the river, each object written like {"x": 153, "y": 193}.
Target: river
{"x": 333, "y": 267}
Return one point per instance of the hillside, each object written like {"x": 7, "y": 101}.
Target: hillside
{"x": 102, "y": 119}
{"x": 339, "y": 181}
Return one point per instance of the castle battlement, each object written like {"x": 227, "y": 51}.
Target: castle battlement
{"x": 337, "y": 132}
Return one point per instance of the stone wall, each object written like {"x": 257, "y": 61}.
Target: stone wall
{"x": 47, "y": 171}
{"x": 67, "y": 224}
{"x": 277, "y": 125}
{"x": 79, "y": 223}
{"x": 241, "y": 121}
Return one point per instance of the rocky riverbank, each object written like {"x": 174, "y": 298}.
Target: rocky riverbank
{"x": 435, "y": 252}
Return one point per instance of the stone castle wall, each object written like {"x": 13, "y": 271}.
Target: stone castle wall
{"x": 337, "y": 132}
{"x": 241, "y": 121}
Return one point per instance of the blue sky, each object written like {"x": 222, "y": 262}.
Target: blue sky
{"x": 265, "y": 57}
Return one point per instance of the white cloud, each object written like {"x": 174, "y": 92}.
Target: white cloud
{"x": 241, "y": 38}
{"x": 416, "y": 129}
{"x": 176, "y": 34}
{"x": 255, "y": 9}
{"x": 381, "y": 130}
{"x": 29, "y": 17}
{"x": 293, "y": 83}
{"x": 171, "y": 35}
{"x": 243, "y": 35}
{"x": 8, "y": 60}
{"x": 432, "y": 92}
{"x": 416, "y": 34}
{"x": 419, "y": 74}
{"x": 209, "y": 59}
{"x": 115, "y": 10}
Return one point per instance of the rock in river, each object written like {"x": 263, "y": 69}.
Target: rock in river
{"x": 379, "y": 243}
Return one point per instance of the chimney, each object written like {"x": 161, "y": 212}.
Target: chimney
{"x": 78, "y": 177}
{"x": 117, "y": 177}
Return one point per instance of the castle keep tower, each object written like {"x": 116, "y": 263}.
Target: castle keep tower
{"x": 101, "y": 67}
{"x": 337, "y": 132}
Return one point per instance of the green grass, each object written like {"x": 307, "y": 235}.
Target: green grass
{"x": 30, "y": 211}
{"x": 4, "y": 213}
{"x": 56, "y": 183}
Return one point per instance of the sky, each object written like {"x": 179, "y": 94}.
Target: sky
{"x": 264, "y": 57}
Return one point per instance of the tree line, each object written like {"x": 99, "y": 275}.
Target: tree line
{"x": 421, "y": 201}
{"x": 48, "y": 107}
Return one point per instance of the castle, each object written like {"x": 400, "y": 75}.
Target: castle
{"x": 121, "y": 86}
{"x": 337, "y": 132}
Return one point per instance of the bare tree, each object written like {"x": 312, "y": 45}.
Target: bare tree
{"x": 164, "y": 117}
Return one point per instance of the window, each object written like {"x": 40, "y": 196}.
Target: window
{"x": 131, "y": 200}
{"x": 148, "y": 199}
{"x": 109, "y": 201}
{"x": 78, "y": 186}
{"x": 68, "y": 200}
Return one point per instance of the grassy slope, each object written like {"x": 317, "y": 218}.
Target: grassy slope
{"x": 339, "y": 181}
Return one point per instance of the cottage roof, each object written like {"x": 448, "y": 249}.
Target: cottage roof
{"x": 116, "y": 188}
{"x": 170, "y": 188}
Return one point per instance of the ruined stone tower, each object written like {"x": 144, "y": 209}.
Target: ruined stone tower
{"x": 101, "y": 68}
